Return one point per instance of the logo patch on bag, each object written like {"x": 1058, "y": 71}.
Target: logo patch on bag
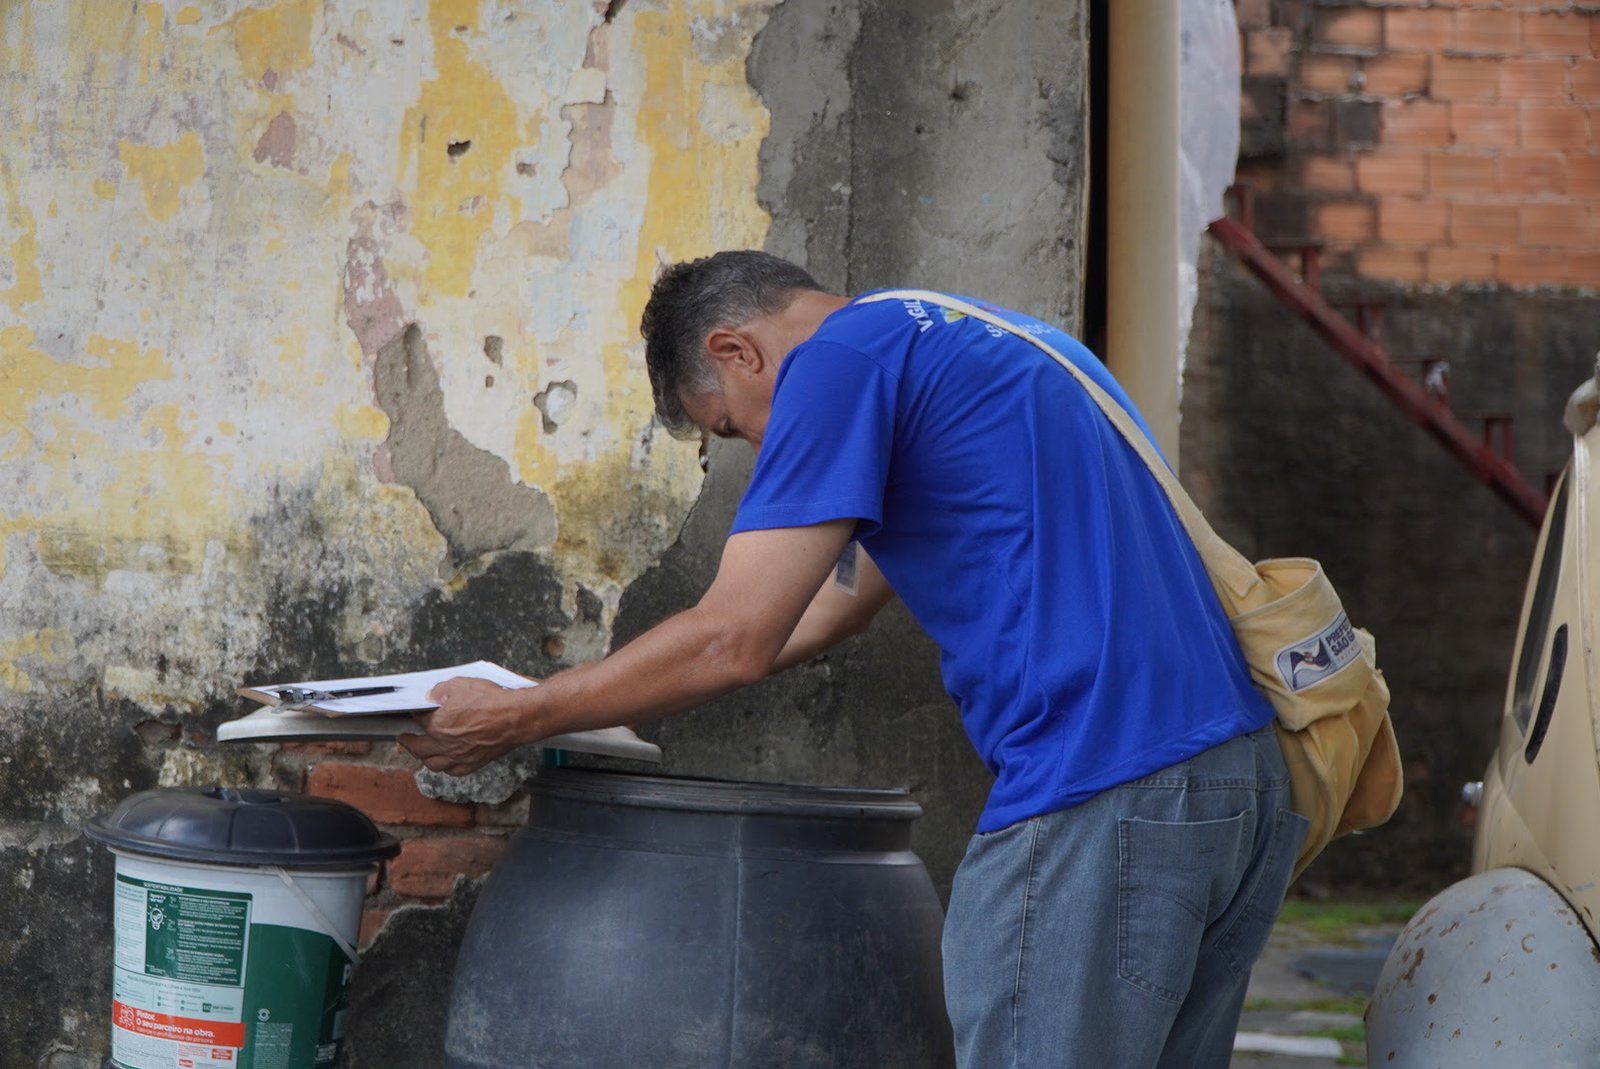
{"x": 1304, "y": 664}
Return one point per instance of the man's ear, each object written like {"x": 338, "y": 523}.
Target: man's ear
{"x": 734, "y": 350}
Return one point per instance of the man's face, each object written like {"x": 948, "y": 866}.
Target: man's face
{"x": 739, "y": 411}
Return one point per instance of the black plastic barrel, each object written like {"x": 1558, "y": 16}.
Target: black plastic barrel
{"x": 641, "y": 922}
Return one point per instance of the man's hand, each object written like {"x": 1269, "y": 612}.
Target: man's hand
{"x": 475, "y": 723}
{"x": 738, "y": 633}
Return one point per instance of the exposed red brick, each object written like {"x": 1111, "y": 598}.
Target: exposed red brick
{"x": 1485, "y": 125}
{"x": 1413, "y": 220}
{"x": 1416, "y": 122}
{"x": 1521, "y": 267}
{"x": 1402, "y": 265}
{"x": 1465, "y": 77}
{"x": 1483, "y": 224}
{"x": 1584, "y": 80}
{"x": 328, "y": 749}
{"x": 1427, "y": 30}
{"x": 1451, "y": 172}
{"x": 1344, "y": 220}
{"x": 387, "y": 795}
{"x": 1560, "y": 33}
{"x": 1486, "y": 30}
{"x": 1446, "y": 264}
{"x": 1555, "y": 225}
{"x": 1552, "y": 126}
{"x": 1585, "y": 270}
{"x": 1263, "y": 176}
{"x": 1394, "y": 75}
{"x": 1253, "y": 14}
{"x": 1392, "y": 172}
{"x": 1267, "y": 51}
{"x": 1354, "y": 27}
{"x": 1327, "y": 73}
{"x": 1537, "y": 80}
{"x": 372, "y": 921}
{"x": 1529, "y": 173}
{"x": 427, "y": 868}
{"x": 1583, "y": 176}
{"x": 1310, "y": 121}
{"x": 1327, "y": 174}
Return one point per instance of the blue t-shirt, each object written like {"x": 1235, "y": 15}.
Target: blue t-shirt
{"x": 1081, "y": 638}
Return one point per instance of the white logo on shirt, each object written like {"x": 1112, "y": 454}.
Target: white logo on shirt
{"x": 915, "y": 310}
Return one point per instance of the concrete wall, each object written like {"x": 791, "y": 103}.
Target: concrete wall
{"x": 317, "y": 355}
{"x": 1292, "y": 453}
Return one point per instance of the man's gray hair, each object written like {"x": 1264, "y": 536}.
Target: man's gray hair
{"x": 688, "y": 301}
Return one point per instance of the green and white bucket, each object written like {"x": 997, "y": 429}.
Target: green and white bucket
{"x": 236, "y": 915}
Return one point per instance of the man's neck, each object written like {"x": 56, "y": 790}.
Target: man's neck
{"x": 796, "y": 323}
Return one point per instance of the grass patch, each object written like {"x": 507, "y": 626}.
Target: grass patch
{"x": 1354, "y": 1034}
{"x": 1353, "y": 1038}
{"x": 1334, "y": 921}
{"x": 1356, "y": 1005}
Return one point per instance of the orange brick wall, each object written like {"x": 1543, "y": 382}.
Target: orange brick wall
{"x": 438, "y": 840}
{"x": 1428, "y": 143}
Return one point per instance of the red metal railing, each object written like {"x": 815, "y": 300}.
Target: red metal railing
{"x": 1362, "y": 346}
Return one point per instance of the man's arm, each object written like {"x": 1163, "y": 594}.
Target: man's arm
{"x": 834, "y": 615}
{"x": 735, "y": 636}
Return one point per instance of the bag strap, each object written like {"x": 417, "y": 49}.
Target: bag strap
{"x": 1226, "y": 566}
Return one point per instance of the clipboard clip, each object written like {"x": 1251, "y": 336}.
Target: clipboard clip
{"x": 290, "y": 699}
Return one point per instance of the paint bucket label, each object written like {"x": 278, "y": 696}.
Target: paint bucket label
{"x": 219, "y": 969}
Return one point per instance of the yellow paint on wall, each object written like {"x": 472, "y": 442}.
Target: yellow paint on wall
{"x": 164, "y": 171}
{"x": 105, "y": 188}
{"x": 701, "y": 197}
{"x": 15, "y": 679}
{"x": 362, "y": 421}
{"x": 50, "y": 645}
{"x": 275, "y": 38}
{"x": 457, "y": 191}
{"x": 153, "y": 43}
{"x": 187, "y": 16}
{"x": 26, "y": 285}
{"x": 28, "y": 375}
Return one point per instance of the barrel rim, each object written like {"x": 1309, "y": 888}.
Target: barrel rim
{"x": 699, "y": 794}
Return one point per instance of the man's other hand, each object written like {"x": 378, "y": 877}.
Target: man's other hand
{"x": 475, "y": 723}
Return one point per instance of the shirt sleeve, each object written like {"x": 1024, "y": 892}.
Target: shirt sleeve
{"x": 825, "y": 454}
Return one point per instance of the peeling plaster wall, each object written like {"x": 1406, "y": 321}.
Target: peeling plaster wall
{"x": 318, "y": 355}
{"x": 278, "y": 287}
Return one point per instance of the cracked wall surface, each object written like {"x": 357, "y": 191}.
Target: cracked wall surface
{"x": 280, "y": 284}
{"x": 318, "y": 356}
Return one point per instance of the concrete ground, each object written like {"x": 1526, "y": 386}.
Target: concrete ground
{"x": 1308, "y": 991}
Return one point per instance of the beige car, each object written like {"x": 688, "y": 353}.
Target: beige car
{"x": 1503, "y": 968}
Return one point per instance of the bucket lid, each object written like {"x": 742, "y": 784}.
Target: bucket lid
{"x": 229, "y": 826}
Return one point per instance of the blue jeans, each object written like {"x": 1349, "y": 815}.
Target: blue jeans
{"x": 1119, "y": 934}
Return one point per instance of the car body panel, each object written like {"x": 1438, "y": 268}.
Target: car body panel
{"x": 1503, "y": 968}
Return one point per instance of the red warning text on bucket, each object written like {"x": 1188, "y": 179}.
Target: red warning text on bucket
{"x": 186, "y": 1029}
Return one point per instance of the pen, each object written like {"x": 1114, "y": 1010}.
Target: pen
{"x": 302, "y": 695}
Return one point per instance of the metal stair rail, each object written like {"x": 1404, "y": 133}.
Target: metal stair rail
{"x": 1425, "y": 406}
